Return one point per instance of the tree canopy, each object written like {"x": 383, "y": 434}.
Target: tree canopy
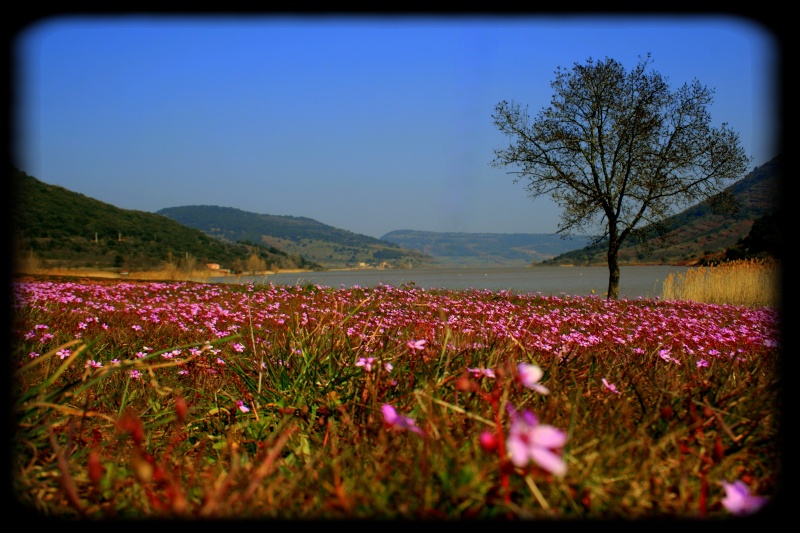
{"x": 620, "y": 150}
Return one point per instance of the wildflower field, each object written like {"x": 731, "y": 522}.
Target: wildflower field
{"x": 195, "y": 400}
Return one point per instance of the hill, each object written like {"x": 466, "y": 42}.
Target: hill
{"x": 486, "y": 249}
{"x": 697, "y": 235}
{"x": 321, "y": 243}
{"x": 67, "y": 229}
{"x": 60, "y": 228}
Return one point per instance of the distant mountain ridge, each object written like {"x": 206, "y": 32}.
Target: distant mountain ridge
{"x": 330, "y": 246}
{"x": 67, "y": 228}
{"x": 697, "y": 233}
{"x": 487, "y": 249}
{"x": 334, "y": 247}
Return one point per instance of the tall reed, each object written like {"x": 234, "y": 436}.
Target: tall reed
{"x": 750, "y": 282}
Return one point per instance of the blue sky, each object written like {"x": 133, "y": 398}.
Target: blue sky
{"x": 365, "y": 123}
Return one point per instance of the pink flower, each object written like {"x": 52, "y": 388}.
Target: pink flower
{"x": 738, "y": 499}
{"x": 530, "y": 441}
{"x": 530, "y": 375}
{"x": 93, "y": 364}
{"x": 416, "y": 345}
{"x": 399, "y": 421}
{"x": 610, "y": 386}
{"x": 238, "y": 347}
{"x": 242, "y": 407}
{"x": 366, "y": 363}
{"x": 665, "y": 355}
{"x": 702, "y": 363}
{"x": 478, "y": 372}
{"x": 63, "y": 354}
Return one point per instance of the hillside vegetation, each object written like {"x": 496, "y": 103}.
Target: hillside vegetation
{"x": 57, "y": 228}
{"x": 324, "y": 244}
{"x": 697, "y": 235}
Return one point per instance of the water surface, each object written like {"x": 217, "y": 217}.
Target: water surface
{"x": 635, "y": 281}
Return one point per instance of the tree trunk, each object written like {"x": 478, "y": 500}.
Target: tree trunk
{"x": 613, "y": 271}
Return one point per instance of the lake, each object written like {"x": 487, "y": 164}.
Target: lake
{"x": 635, "y": 281}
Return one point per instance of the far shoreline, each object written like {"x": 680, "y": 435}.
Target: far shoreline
{"x": 209, "y": 274}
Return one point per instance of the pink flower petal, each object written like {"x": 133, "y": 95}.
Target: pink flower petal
{"x": 548, "y": 436}
{"x": 549, "y": 460}
{"x": 389, "y": 413}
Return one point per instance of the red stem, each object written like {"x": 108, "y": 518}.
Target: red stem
{"x": 501, "y": 448}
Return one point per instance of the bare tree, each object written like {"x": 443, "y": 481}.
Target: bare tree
{"x": 619, "y": 150}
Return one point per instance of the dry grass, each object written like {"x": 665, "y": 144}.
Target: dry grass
{"x": 163, "y": 274}
{"x": 752, "y": 283}
{"x": 142, "y": 275}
